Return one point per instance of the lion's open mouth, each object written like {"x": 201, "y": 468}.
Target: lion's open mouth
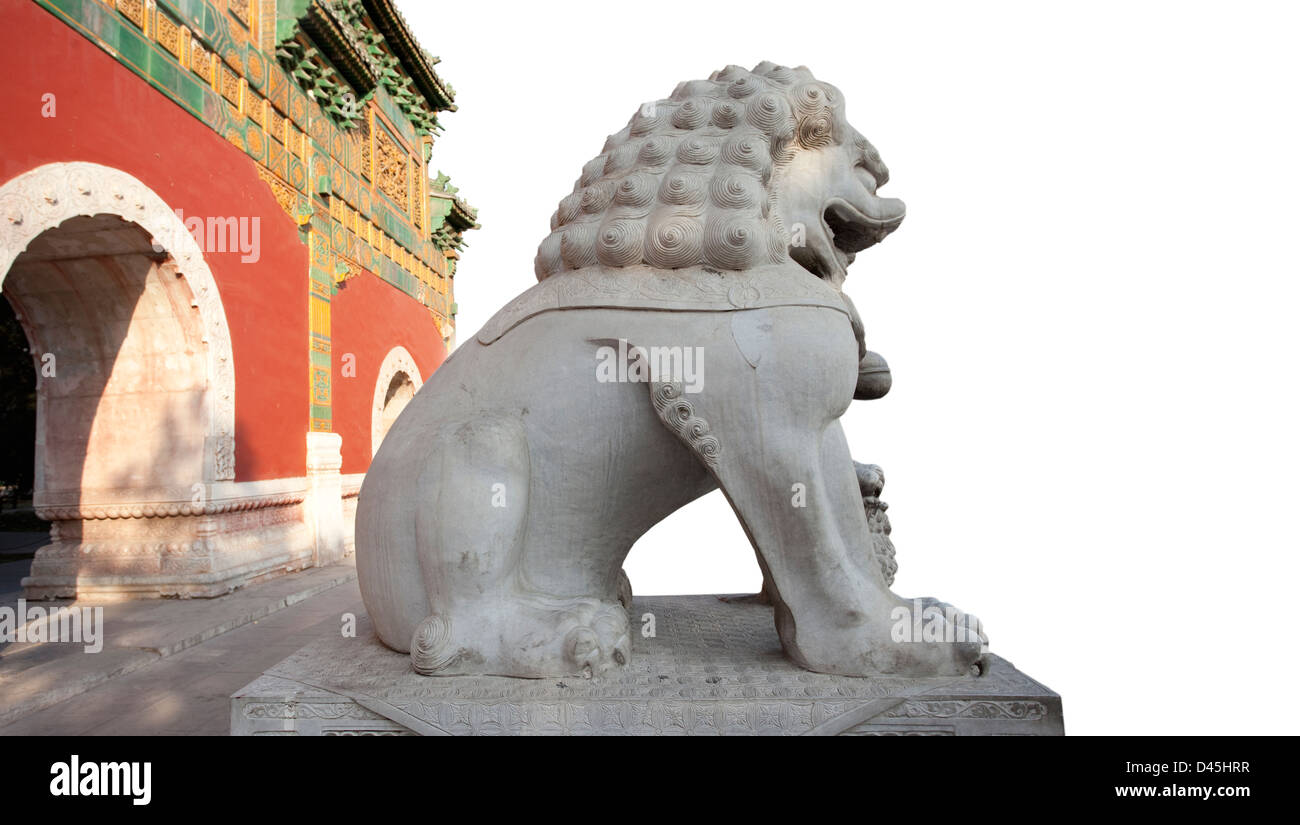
{"x": 850, "y": 230}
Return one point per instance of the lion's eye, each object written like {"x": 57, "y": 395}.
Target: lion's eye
{"x": 864, "y": 176}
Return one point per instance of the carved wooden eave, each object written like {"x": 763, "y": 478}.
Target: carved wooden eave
{"x": 462, "y": 217}
{"x": 390, "y": 23}
{"x": 339, "y": 46}
{"x": 451, "y": 219}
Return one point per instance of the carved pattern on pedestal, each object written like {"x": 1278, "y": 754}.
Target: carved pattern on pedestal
{"x": 48, "y": 195}
{"x": 871, "y": 729}
{"x": 308, "y": 710}
{"x": 714, "y": 668}
{"x": 977, "y": 709}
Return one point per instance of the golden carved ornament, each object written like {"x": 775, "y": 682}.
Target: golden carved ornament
{"x": 136, "y": 12}
{"x": 283, "y": 192}
{"x": 171, "y": 36}
{"x": 242, "y": 9}
{"x": 390, "y": 168}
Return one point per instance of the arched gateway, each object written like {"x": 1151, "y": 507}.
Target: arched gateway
{"x": 212, "y": 251}
{"x": 135, "y": 421}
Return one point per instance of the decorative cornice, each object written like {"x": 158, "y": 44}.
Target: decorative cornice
{"x": 167, "y": 509}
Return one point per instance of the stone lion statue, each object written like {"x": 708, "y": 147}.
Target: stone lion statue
{"x": 688, "y": 333}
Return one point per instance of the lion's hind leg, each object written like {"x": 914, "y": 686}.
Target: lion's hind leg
{"x": 484, "y": 615}
{"x": 469, "y": 531}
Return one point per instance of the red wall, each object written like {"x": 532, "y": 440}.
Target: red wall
{"x": 370, "y": 317}
{"x": 107, "y": 115}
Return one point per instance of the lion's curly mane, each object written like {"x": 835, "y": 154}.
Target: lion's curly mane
{"x": 689, "y": 180}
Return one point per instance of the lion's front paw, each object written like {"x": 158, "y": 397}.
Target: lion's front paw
{"x": 917, "y": 638}
{"x": 949, "y": 636}
{"x": 969, "y": 623}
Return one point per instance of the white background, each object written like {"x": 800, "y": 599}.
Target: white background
{"x": 1090, "y": 310}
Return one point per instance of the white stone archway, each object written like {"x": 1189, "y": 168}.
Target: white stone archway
{"x": 47, "y": 196}
{"x": 399, "y": 380}
{"x": 135, "y": 438}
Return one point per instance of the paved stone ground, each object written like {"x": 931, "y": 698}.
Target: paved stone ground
{"x": 16, "y": 550}
{"x": 23, "y": 544}
{"x": 11, "y": 577}
{"x": 188, "y": 693}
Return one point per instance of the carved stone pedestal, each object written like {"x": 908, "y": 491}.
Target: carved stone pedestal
{"x": 712, "y": 667}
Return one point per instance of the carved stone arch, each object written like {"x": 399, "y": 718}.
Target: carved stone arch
{"x": 47, "y": 196}
{"x": 398, "y": 367}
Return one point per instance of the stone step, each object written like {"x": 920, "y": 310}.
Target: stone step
{"x": 138, "y": 633}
